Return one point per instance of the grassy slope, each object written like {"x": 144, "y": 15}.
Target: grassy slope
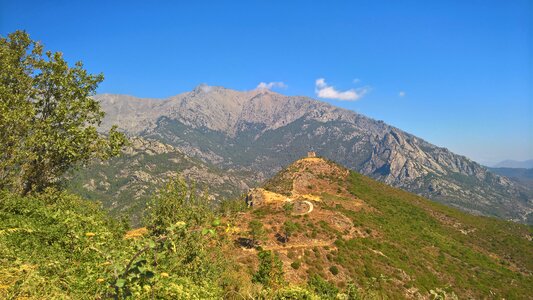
{"x": 47, "y": 249}
{"x": 424, "y": 239}
{"x": 59, "y": 246}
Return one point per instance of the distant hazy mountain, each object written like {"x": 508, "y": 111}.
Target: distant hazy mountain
{"x": 520, "y": 175}
{"x": 526, "y": 164}
{"x": 258, "y": 132}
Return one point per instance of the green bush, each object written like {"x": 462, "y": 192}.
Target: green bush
{"x": 288, "y": 208}
{"x": 334, "y": 270}
{"x": 296, "y": 264}
{"x": 270, "y": 273}
{"x": 294, "y": 293}
{"x": 178, "y": 202}
{"x": 322, "y": 288}
{"x": 55, "y": 245}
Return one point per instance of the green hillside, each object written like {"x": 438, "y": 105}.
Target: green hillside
{"x": 398, "y": 245}
{"x": 437, "y": 246}
{"x": 342, "y": 235}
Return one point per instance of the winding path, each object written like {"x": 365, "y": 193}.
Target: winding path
{"x": 311, "y": 207}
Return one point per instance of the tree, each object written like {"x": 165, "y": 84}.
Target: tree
{"x": 270, "y": 273}
{"x": 288, "y": 229}
{"x": 178, "y": 202}
{"x": 48, "y": 117}
{"x": 256, "y": 231}
{"x": 323, "y": 288}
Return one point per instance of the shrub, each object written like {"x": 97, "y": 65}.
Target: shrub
{"x": 296, "y": 264}
{"x": 291, "y": 254}
{"x": 288, "y": 208}
{"x": 270, "y": 273}
{"x": 178, "y": 202}
{"x": 294, "y": 293}
{"x": 256, "y": 231}
{"x": 289, "y": 228}
{"x": 334, "y": 270}
{"x": 322, "y": 288}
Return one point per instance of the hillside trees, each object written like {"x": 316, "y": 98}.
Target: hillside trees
{"x": 48, "y": 119}
{"x": 270, "y": 273}
{"x": 256, "y": 231}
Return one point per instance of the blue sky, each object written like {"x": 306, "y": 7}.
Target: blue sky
{"x": 456, "y": 73}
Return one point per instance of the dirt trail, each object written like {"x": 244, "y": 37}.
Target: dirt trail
{"x": 311, "y": 207}
{"x": 299, "y": 246}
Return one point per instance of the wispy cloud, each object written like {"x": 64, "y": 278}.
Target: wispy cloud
{"x": 323, "y": 90}
{"x": 401, "y": 94}
{"x": 270, "y": 85}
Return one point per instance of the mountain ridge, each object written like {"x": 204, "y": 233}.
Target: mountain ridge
{"x": 260, "y": 131}
{"x": 509, "y": 163}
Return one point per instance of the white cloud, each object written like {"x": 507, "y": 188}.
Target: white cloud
{"x": 356, "y": 80}
{"x": 401, "y": 94}
{"x": 323, "y": 90}
{"x": 270, "y": 85}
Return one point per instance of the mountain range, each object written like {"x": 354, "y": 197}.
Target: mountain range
{"x": 253, "y": 134}
{"x": 526, "y": 164}
{"x": 521, "y": 176}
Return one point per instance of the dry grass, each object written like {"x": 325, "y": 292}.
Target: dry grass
{"x": 136, "y": 233}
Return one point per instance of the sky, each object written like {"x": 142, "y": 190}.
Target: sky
{"x": 458, "y": 74}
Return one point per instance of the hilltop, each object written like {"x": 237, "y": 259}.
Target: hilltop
{"x": 258, "y": 132}
{"x": 345, "y": 227}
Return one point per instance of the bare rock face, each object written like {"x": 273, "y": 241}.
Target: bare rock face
{"x": 256, "y": 133}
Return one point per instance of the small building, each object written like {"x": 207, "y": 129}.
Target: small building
{"x": 311, "y": 154}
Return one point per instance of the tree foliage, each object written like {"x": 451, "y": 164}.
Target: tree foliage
{"x": 178, "y": 202}
{"x": 256, "y": 231}
{"x": 323, "y": 288}
{"x": 48, "y": 117}
{"x": 270, "y": 273}
{"x": 289, "y": 228}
